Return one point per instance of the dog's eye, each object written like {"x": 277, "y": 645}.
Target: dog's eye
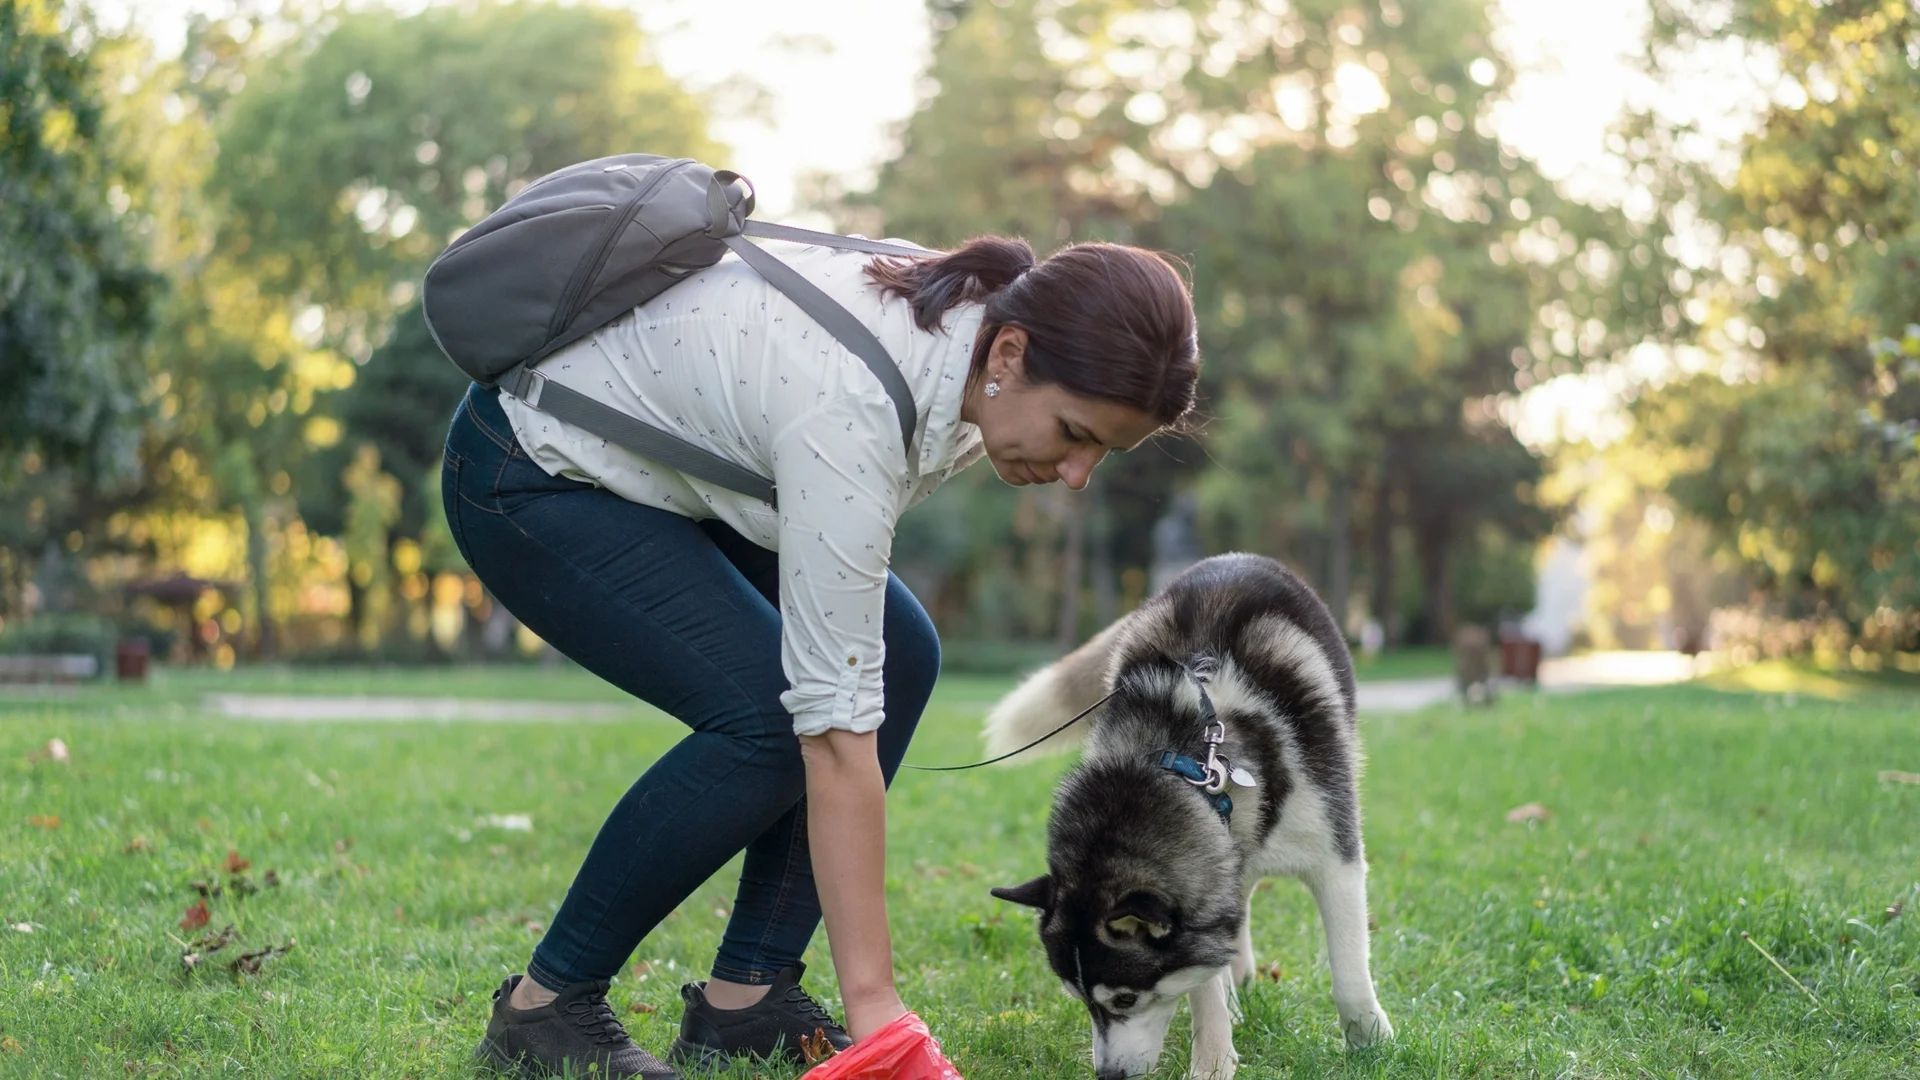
{"x": 1125, "y": 1001}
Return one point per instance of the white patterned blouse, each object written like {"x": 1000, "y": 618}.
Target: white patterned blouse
{"x": 726, "y": 361}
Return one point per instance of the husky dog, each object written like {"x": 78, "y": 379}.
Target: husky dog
{"x": 1227, "y": 753}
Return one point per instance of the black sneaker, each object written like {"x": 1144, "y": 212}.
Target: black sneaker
{"x": 773, "y": 1027}
{"x": 570, "y": 1034}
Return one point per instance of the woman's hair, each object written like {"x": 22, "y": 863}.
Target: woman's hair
{"x": 1102, "y": 320}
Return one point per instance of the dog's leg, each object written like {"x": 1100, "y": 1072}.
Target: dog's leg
{"x": 1340, "y": 888}
{"x": 1213, "y": 1054}
{"x": 1243, "y": 954}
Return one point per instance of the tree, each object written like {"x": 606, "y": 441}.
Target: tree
{"x": 1793, "y": 281}
{"x": 75, "y": 294}
{"x": 353, "y": 150}
{"x": 1369, "y": 264}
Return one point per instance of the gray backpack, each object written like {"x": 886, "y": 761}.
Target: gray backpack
{"x": 578, "y": 248}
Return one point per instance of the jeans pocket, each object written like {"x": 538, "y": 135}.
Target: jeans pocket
{"x": 450, "y": 464}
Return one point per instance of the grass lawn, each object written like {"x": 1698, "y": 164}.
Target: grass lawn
{"x": 1605, "y": 941}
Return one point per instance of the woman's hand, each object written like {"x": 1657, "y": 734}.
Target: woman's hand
{"x": 847, "y": 831}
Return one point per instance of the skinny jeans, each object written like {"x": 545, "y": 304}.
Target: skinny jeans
{"x": 683, "y": 615}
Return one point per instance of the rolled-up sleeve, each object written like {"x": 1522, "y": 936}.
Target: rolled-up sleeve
{"x": 840, "y": 481}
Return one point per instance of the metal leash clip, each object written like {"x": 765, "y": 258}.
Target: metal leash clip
{"x": 1216, "y": 781}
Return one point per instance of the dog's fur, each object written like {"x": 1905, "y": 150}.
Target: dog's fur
{"x": 1147, "y": 895}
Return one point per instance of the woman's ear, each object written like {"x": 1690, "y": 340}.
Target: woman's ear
{"x": 1006, "y": 361}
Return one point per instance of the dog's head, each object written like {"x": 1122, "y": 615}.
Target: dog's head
{"x": 1143, "y": 903}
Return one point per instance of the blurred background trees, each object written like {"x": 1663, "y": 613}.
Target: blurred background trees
{"x": 215, "y": 381}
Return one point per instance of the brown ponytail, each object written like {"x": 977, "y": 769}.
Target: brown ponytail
{"x": 981, "y": 267}
{"x": 1103, "y": 321}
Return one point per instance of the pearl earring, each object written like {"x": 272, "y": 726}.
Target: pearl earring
{"x": 992, "y": 388}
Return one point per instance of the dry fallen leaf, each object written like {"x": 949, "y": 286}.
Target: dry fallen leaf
{"x": 1532, "y": 811}
{"x": 1895, "y": 776}
{"x": 44, "y": 821}
{"x": 249, "y": 963}
{"x": 235, "y": 864}
{"x": 210, "y": 942}
{"x": 137, "y": 845}
{"x": 11, "y": 1045}
{"x": 195, "y": 916}
{"x": 642, "y": 1008}
{"x": 816, "y": 1048}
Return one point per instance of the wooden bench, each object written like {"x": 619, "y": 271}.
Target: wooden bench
{"x": 48, "y": 667}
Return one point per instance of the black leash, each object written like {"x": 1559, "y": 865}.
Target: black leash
{"x": 1022, "y": 750}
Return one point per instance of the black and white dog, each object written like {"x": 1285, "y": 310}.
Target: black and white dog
{"x": 1227, "y": 753}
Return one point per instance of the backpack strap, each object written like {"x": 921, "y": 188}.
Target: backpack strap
{"x": 769, "y": 231}
{"x": 642, "y": 438}
{"x": 731, "y": 225}
{"x": 839, "y": 322}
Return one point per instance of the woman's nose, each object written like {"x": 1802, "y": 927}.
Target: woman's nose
{"x": 1077, "y": 468}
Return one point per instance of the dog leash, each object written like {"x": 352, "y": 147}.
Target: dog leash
{"x": 1022, "y": 750}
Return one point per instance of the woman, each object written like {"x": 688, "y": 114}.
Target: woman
{"x": 779, "y": 637}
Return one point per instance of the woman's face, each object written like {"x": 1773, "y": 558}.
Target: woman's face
{"x": 1039, "y": 434}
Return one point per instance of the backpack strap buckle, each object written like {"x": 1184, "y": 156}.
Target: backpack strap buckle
{"x": 725, "y": 216}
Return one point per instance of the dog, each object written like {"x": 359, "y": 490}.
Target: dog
{"x": 1227, "y": 752}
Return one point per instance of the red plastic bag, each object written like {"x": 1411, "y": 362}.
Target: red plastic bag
{"x": 903, "y": 1050}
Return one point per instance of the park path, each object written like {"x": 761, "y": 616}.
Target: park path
{"x": 300, "y": 708}
{"x": 1561, "y": 675}
{"x": 1558, "y": 675}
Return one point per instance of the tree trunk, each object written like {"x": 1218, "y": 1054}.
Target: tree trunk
{"x": 1436, "y": 571}
{"x": 266, "y": 641}
{"x": 1384, "y": 601}
{"x": 1106, "y": 589}
{"x": 1072, "y": 573}
{"x": 1340, "y": 550}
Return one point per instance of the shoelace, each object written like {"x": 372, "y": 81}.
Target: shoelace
{"x": 594, "y": 1017}
{"x": 810, "y": 1008}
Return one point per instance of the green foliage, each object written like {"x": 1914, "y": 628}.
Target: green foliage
{"x": 75, "y": 294}
{"x": 1798, "y": 447}
{"x": 349, "y": 161}
{"x": 63, "y": 633}
{"x": 1366, "y": 260}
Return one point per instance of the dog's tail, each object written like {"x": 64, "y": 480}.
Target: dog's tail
{"x": 1052, "y": 696}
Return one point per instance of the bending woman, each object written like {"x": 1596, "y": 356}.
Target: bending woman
{"x": 780, "y": 638}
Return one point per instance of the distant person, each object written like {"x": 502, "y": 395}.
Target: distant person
{"x": 780, "y": 638}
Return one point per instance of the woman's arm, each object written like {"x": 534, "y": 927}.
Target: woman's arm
{"x": 847, "y": 830}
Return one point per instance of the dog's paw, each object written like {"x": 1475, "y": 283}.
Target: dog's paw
{"x": 1366, "y": 1028}
{"x": 1219, "y": 1065}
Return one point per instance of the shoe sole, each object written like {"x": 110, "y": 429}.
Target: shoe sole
{"x": 695, "y": 1056}
{"x": 491, "y": 1056}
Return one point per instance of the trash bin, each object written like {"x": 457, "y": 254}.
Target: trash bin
{"x": 1520, "y": 659}
{"x": 131, "y": 655}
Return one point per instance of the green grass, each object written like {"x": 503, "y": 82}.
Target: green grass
{"x": 1604, "y": 942}
{"x": 1411, "y": 662}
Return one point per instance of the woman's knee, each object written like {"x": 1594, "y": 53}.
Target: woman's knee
{"x": 913, "y": 648}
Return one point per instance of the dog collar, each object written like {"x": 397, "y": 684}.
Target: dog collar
{"x": 1212, "y": 775}
{"x": 1196, "y": 774}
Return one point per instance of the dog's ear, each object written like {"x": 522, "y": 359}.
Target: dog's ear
{"x": 1142, "y": 913}
{"x": 1037, "y": 893}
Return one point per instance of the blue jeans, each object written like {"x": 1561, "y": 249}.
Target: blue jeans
{"x": 684, "y": 615}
